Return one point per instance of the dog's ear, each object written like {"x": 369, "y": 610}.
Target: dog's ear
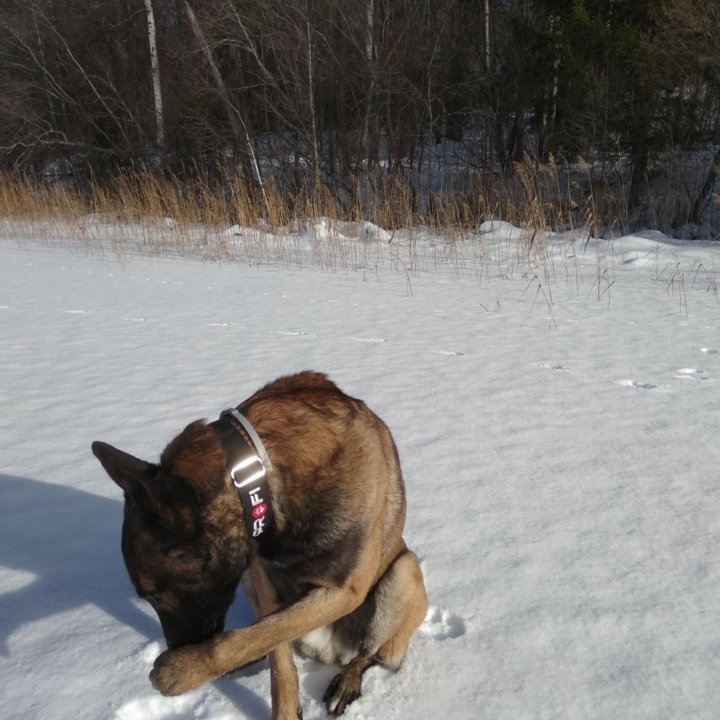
{"x": 131, "y": 474}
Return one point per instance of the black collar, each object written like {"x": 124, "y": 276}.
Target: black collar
{"x": 248, "y": 465}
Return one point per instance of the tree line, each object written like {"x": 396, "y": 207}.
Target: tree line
{"x": 323, "y": 92}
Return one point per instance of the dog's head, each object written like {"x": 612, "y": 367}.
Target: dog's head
{"x": 183, "y": 544}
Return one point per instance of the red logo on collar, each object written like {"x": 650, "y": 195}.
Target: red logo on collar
{"x": 259, "y": 511}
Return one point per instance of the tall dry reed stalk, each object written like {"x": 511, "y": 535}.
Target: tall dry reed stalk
{"x": 167, "y": 214}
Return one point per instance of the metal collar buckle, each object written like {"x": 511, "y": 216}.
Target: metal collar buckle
{"x": 246, "y": 464}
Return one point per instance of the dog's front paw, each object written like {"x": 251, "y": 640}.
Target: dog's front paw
{"x": 177, "y": 671}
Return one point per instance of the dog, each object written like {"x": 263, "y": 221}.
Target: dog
{"x": 298, "y": 495}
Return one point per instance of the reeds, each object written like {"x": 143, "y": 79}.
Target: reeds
{"x": 225, "y": 217}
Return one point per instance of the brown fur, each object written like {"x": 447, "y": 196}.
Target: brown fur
{"x": 333, "y": 575}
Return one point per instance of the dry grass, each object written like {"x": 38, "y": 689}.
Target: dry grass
{"x": 375, "y": 225}
{"x": 162, "y": 214}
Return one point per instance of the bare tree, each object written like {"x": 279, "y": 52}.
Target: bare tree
{"x": 486, "y": 27}
{"x": 311, "y": 93}
{"x": 240, "y": 130}
{"x": 155, "y": 72}
{"x": 690, "y": 42}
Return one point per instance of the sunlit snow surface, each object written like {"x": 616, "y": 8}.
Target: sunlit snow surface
{"x": 559, "y": 433}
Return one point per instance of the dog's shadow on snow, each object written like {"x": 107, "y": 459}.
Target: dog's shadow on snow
{"x": 68, "y": 543}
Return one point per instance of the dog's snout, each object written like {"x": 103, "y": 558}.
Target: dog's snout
{"x": 200, "y": 632}
{"x": 175, "y": 640}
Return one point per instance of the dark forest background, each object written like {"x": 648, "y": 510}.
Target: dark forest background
{"x": 620, "y": 97}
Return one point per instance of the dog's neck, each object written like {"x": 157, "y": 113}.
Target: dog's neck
{"x": 248, "y": 466}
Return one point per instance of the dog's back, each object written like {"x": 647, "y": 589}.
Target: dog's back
{"x": 337, "y": 471}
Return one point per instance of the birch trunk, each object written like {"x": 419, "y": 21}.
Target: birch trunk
{"x": 155, "y": 71}
{"x": 370, "y": 58}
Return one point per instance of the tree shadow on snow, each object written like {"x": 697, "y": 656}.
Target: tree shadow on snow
{"x": 69, "y": 540}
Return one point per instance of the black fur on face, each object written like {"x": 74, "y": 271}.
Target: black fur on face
{"x": 188, "y": 582}
{"x": 175, "y": 556}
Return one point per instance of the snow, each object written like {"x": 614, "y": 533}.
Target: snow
{"x": 557, "y": 418}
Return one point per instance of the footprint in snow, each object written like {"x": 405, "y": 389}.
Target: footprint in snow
{"x": 219, "y": 324}
{"x": 76, "y": 312}
{"x": 637, "y": 385}
{"x": 292, "y": 333}
{"x": 449, "y": 353}
{"x": 368, "y": 340}
{"x": 550, "y": 366}
{"x": 709, "y": 351}
{"x": 691, "y": 374}
{"x": 441, "y": 624}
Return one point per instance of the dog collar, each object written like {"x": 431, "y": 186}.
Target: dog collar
{"x": 248, "y": 467}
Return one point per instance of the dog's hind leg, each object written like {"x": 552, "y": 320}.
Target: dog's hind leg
{"x": 400, "y": 605}
{"x": 406, "y": 608}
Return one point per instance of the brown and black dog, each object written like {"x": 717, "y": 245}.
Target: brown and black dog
{"x": 330, "y": 573}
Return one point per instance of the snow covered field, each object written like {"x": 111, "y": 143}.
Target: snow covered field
{"x": 559, "y": 439}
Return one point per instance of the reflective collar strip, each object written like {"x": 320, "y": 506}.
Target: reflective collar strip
{"x": 249, "y": 468}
